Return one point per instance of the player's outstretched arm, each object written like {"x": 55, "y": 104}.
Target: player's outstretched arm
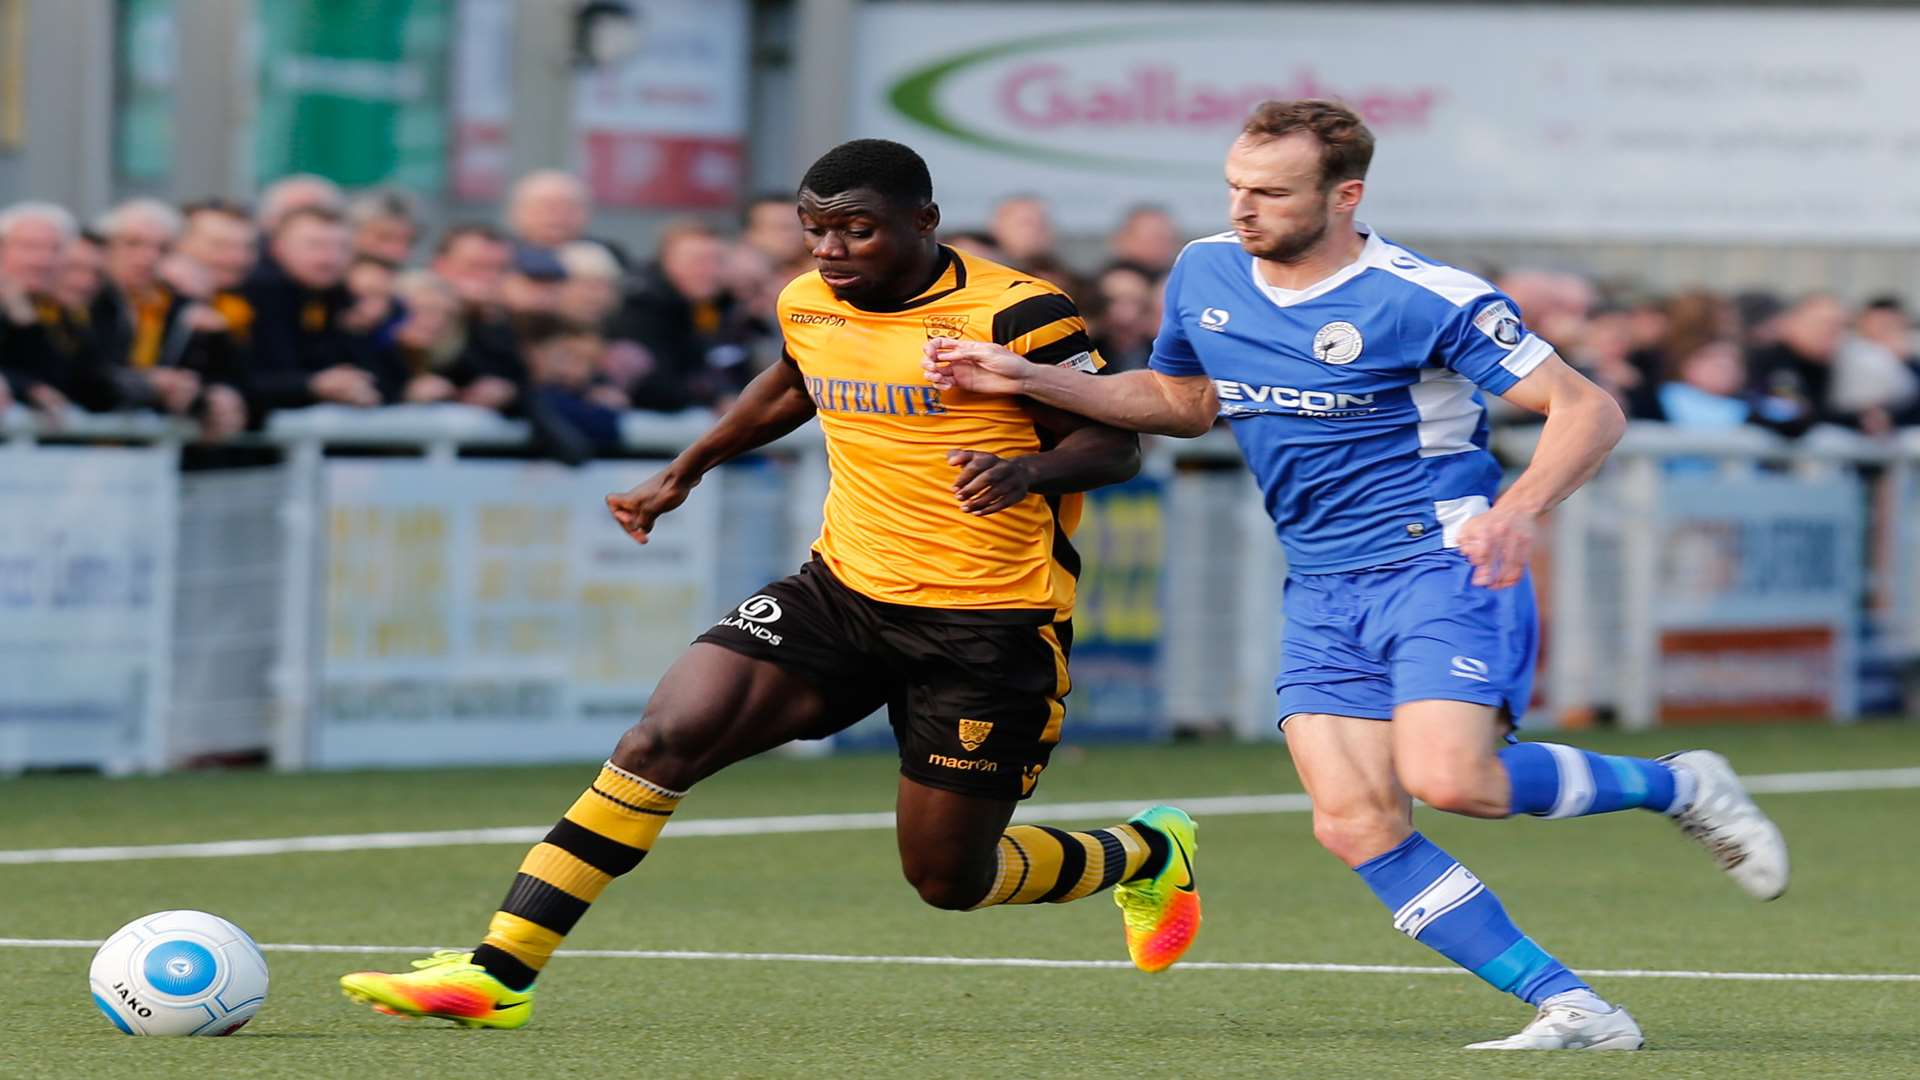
{"x": 1145, "y": 401}
{"x": 1084, "y": 456}
{"x": 773, "y": 404}
{"x": 1583, "y": 424}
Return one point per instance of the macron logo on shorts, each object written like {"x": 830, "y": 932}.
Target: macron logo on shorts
{"x": 1466, "y": 667}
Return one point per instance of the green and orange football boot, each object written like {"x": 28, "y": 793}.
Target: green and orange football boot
{"x": 448, "y": 985}
{"x": 1163, "y": 911}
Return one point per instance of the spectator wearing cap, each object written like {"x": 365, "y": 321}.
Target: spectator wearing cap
{"x": 533, "y": 282}
{"x": 304, "y": 351}
{"x": 679, "y": 312}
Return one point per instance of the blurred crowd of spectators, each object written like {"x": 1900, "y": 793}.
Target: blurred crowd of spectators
{"x": 223, "y": 313}
{"x": 1705, "y": 360}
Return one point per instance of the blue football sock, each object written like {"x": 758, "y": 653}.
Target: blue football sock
{"x": 1440, "y": 904}
{"x": 1550, "y": 780}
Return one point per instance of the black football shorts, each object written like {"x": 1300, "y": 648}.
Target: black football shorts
{"x": 975, "y": 697}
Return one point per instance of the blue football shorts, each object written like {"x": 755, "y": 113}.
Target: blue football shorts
{"x": 1359, "y": 643}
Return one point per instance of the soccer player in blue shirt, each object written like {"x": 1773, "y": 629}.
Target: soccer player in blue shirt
{"x": 1352, "y": 373}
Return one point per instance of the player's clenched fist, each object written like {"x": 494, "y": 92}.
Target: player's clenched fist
{"x": 1499, "y": 543}
{"x": 639, "y": 507}
{"x": 977, "y": 366}
{"x": 988, "y": 483}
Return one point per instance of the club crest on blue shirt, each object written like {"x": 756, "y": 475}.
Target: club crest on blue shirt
{"x": 1337, "y": 343}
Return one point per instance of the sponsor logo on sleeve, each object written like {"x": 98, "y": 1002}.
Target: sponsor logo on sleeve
{"x": 1215, "y": 319}
{"x": 1498, "y": 322}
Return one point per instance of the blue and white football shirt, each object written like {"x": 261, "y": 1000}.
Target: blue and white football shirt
{"x": 1356, "y": 401}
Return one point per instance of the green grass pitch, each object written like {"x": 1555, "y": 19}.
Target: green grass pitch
{"x": 1623, "y": 891}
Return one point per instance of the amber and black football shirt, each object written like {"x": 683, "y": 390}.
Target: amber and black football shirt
{"x": 894, "y": 531}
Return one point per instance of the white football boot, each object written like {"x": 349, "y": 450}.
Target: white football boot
{"x": 1724, "y": 819}
{"x": 1562, "y": 1025}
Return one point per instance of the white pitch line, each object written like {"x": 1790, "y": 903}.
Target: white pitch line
{"x": 528, "y": 834}
{"x": 1038, "y": 962}
{"x": 1217, "y": 806}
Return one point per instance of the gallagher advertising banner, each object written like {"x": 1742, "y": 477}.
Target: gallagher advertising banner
{"x": 1491, "y": 121}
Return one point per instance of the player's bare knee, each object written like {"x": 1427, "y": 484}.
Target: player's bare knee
{"x": 947, "y": 888}
{"x": 1457, "y": 789}
{"x": 1357, "y": 836}
{"x": 949, "y": 894}
{"x": 647, "y": 751}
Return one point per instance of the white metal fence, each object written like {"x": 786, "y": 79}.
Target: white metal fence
{"x": 407, "y": 604}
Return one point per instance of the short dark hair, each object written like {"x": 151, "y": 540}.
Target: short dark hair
{"x": 460, "y": 232}
{"x": 890, "y": 168}
{"x": 1346, "y": 146}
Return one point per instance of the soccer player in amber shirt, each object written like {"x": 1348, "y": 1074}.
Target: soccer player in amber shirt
{"x": 941, "y": 587}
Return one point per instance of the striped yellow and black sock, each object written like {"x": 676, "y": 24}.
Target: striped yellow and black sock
{"x": 606, "y": 833}
{"x": 1040, "y": 865}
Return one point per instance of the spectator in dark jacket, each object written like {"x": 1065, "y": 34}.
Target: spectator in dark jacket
{"x": 303, "y": 353}
{"x": 575, "y": 411}
{"x": 47, "y": 355}
{"x": 301, "y": 191}
{"x": 138, "y": 319}
{"x": 487, "y": 369}
{"x": 679, "y": 313}
{"x": 215, "y": 255}
{"x": 1793, "y": 376}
